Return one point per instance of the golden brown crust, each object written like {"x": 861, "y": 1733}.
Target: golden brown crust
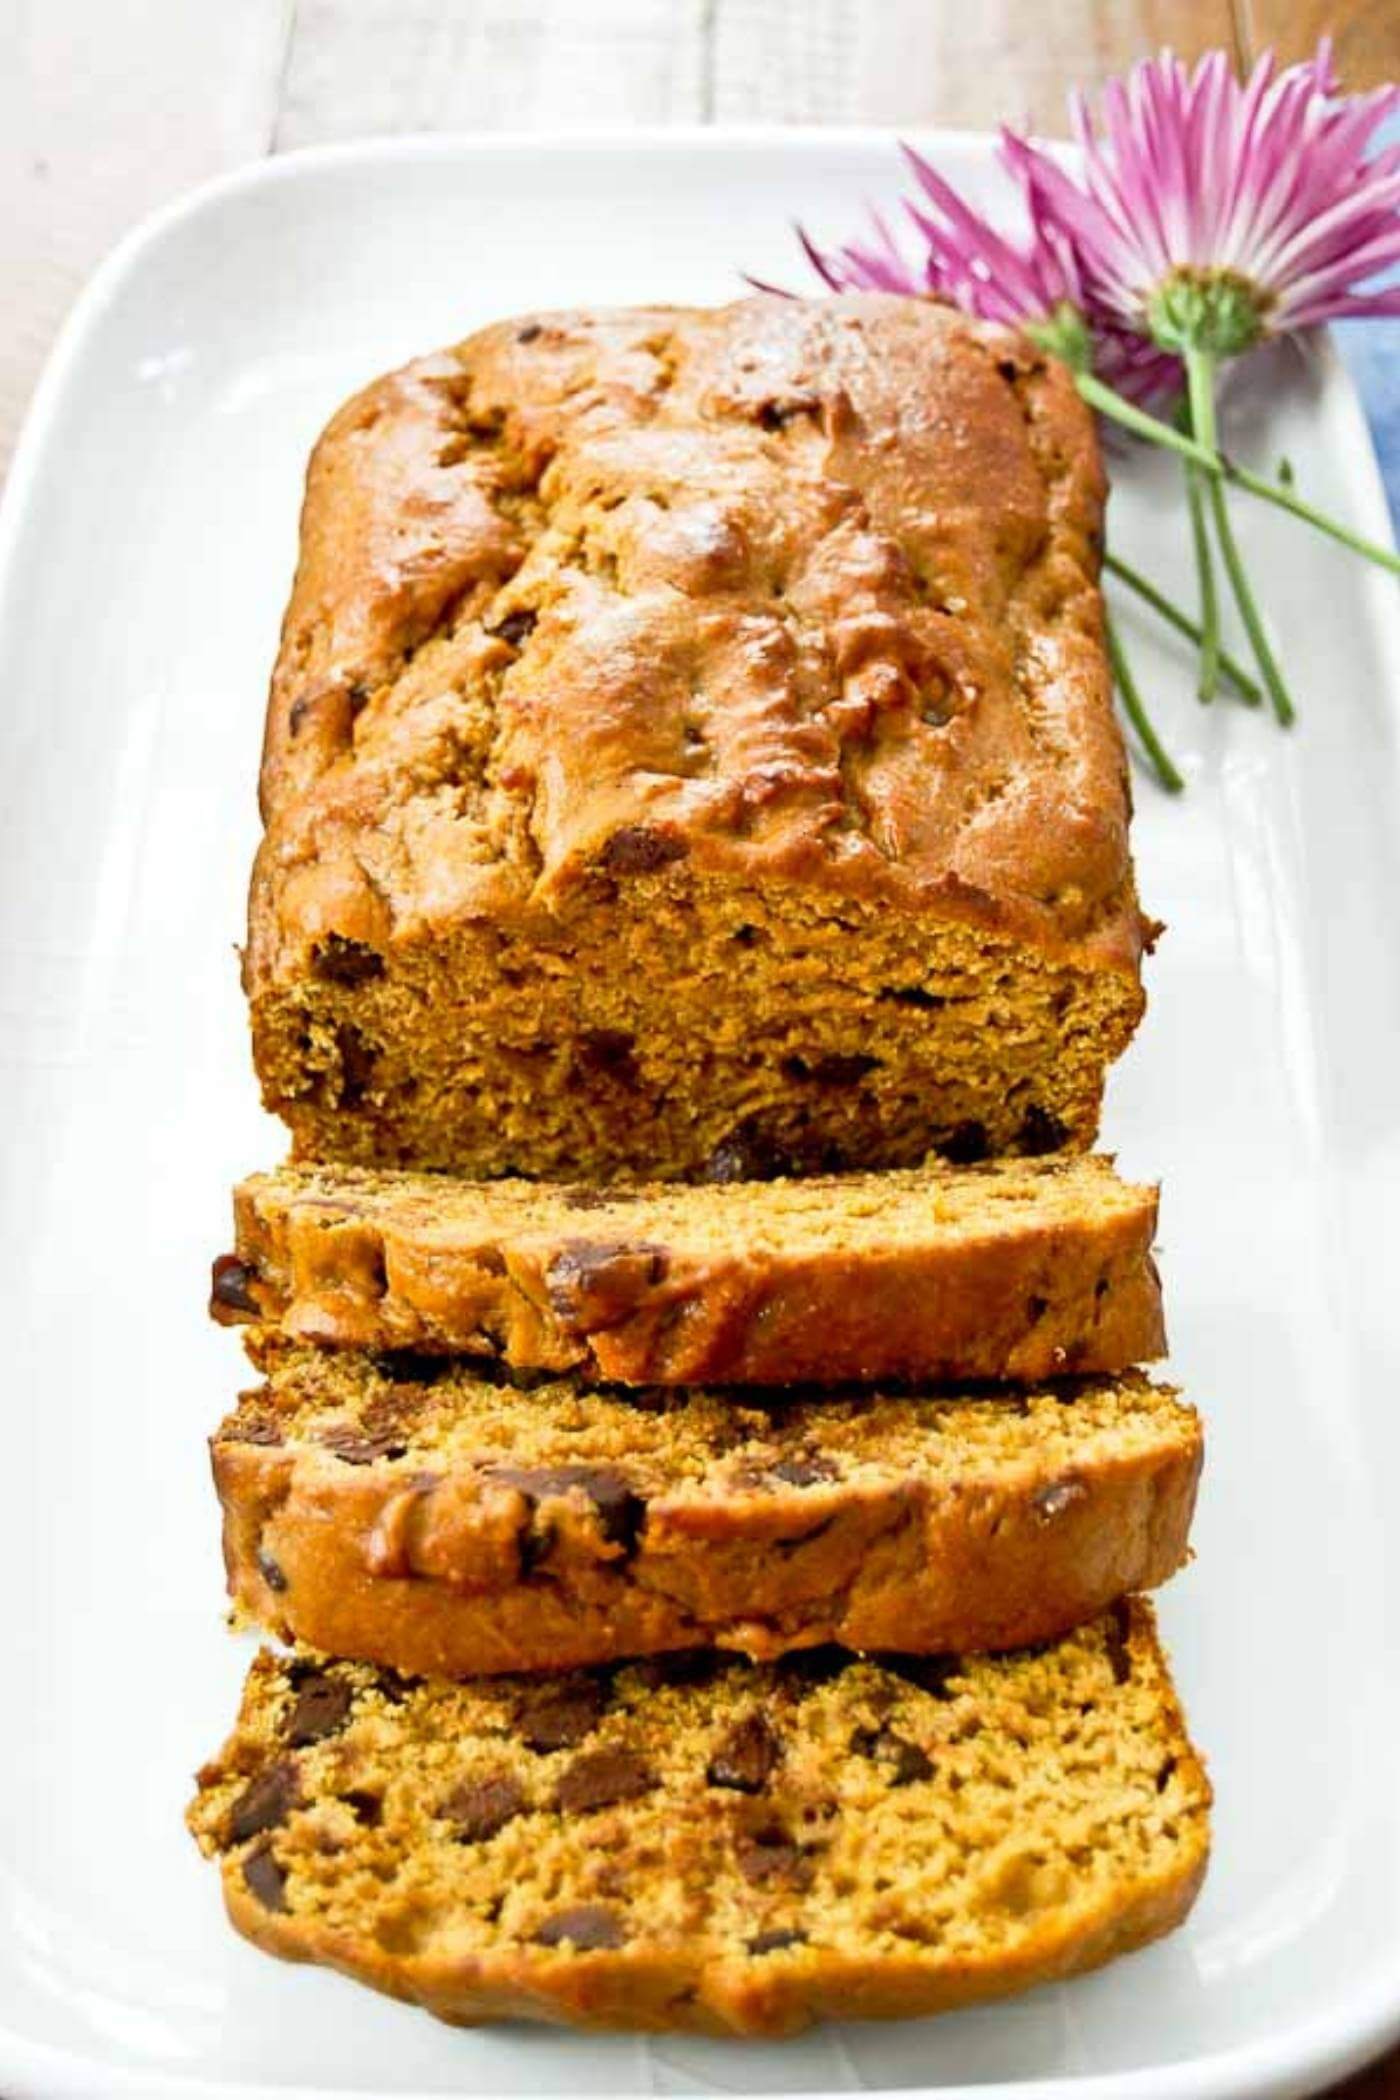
{"x": 786, "y": 600}
{"x": 1021, "y": 1270}
{"x": 897, "y": 1846}
{"x": 462, "y": 1528}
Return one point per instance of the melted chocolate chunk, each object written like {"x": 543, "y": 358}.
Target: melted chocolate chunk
{"x": 355, "y": 1448}
{"x": 747, "y": 1154}
{"x": 322, "y": 1708}
{"x": 567, "y": 1712}
{"x": 529, "y": 332}
{"x": 481, "y": 1807}
{"x": 586, "y": 1928}
{"x": 271, "y": 1571}
{"x": 774, "y": 1941}
{"x": 811, "y": 1471}
{"x": 231, "y": 1286}
{"x": 747, "y": 1757}
{"x": 254, "y": 1429}
{"x": 516, "y": 627}
{"x": 638, "y": 850}
{"x": 1040, "y": 1132}
{"x": 1056, "y": 1497}
{"x": 769, "y": 1854}
{"x": 902, "y": 1760}
{"x": 339, "y": 960}
{"x": 594, "y": 1284}
{"x": 266, "y": 1879}
{"x": 264, "y": 1803}
{"x": 965, "y": 1144}
{"x": 617, "y": 1507}
{"x": 601, "y": 1779}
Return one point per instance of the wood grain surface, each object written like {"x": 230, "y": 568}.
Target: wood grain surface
{"x": 110, "y": 107}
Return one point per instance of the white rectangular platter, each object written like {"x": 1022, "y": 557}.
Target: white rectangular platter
{"x": 147, "y": 542}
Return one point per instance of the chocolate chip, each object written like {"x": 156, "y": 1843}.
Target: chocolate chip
{"x": 601, "y": 1779}
{"x": 617, "y": 1507}
{"x": 965, "y": 1144}
{"x": 929, "y": 1672}
{"x": 339, "y": 960}
{"x": 1056, "y": 1497}
{"x": 1164, "y": 1774}
{"x": 529, "y": 332}
{"x": 481, "y": 1807}
{"x": 322, "y": 1708}
{"x": 805, "y": 1472}
{"x": 747, "y": 1757}
{"x": 594, "y": 1284}
{"x": 516, "y": 627}
{"x": 354, "y": 1448}
{"x": 1116, "y": 1642}
{"x": 904, "y": 1761}
{"x": 773, "y": 1941}
{"x": 231, "y": 1286}
{"x": 264, "y": 1803}
{"x": 365, "y": 1807}
{"x": 253, "y": 1429}
{"x": 638, "y": 850}
{"x": 747, "y": 1154}
{"x": 1040, "y": 1131}
{"x": 607, "y": 1053}
{"x": 266, "y": 1879}
{"x": 271, "y": 1571}
{"x": 769, "y": 1854}
{"x": 586, "y": 1928}
{"x": 564, "y": 1715}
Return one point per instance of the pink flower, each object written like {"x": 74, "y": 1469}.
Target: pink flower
{"x": 1214, "y": 211}
{"x": 1035, "y": 283}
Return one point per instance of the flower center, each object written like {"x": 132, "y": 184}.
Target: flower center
{"x": 1212, "y": 310}
{"x": 1064, "y": 332}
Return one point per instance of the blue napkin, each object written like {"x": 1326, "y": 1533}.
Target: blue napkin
{"x": 1371, "y": 352}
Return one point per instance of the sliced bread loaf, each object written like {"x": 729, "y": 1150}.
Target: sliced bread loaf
{"x": 415, "y": 1513}
{"x": 1023, "y": 1269}
{"x": 709, "y": 1844}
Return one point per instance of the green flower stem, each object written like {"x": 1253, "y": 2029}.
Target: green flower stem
{"x": 1213, "y": 463}
{"x": 1209, "y": 683}
{"x": 1200, "y": 378}
{"x": 1232, "y": 669}
{"x": 1133, "y": 708}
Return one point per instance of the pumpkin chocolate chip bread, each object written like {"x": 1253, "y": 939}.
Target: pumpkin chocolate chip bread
{"x": 725, "y": 1847}
{"x": 415, "y": 1513}
{"x": 1017, "y": 1269}
{"x": 691, "y": 755}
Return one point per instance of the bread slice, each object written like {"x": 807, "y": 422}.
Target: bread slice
{"x": 412, "y": 1512}
{"x": 1022, "y": 1269}
{"x": 692, "y": 752}
{"x": 711, "y": 1845}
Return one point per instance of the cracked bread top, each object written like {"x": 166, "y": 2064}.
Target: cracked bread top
{"x": 793, "y": 590}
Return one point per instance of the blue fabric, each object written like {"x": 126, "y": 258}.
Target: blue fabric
{"x": 1371, "y": 351}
